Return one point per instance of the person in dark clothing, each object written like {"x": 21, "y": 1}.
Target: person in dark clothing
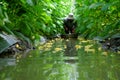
{"x": 69, "y": 24}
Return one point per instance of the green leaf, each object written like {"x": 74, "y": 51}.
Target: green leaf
{"x": 7, "y": 40}
{"x": 106, "y": 7}
{"x": 90, "y": 25}
{"x": 95, "y": 5}
{"x": 23, "y": 1}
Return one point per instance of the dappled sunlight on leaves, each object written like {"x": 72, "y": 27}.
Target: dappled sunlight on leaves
{"x": 81, "y": 45}
{"x": 46, "y": 46}
{"x": 30, "y": 56}
{"x": 99, "y": 49}
{"x": 90, "y": 50}
{"x": 47, "y": 49}
{"x": 58, "y": 49}
{"x": 29, "y": 20}
{"x": 104, "y": 53}
{"x": 88, "y": 46}
{"x": 78, "y": 47}
{"x": 84, "y": 41}
{"x": 40, "y": 47}
{"x": 49, "y": 45}
{"x": 118, "y": 52}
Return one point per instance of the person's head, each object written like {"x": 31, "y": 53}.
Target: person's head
{"x": 70, "y": 16}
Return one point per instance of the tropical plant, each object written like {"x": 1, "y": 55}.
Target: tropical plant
{"x": 35, "y": 18}
{"x": 98, "y": 17}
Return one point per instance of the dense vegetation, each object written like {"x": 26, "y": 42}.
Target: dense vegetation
{"x": 32, "y": 18}
{"x": 59, "y": 59}
{"x": 98, "y": 17}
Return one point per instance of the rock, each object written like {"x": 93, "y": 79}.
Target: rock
{"x": 112, "y": 44}
{"x": 42, "y": 40}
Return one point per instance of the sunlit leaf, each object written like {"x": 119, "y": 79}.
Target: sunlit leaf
{"x": 90, "y": 50}
{"x": 88, "y": 46}
{"x": 78, "y": 46}
{"x": 84, "y": 41}
{"x": 118, "y": 52}
{"x": 104, "y": 53}
{"x": 99, "y": 49}
{"x": 30, "y": 56}
{"x": 58, "y": 49}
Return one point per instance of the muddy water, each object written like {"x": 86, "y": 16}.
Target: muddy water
{"x": 63, "y": 59}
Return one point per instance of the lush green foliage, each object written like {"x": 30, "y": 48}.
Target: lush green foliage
{"x": 33, "y": 18}
{"x": 98, "y": 17}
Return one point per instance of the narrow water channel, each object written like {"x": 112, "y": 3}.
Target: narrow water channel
{"x": 63, "y": 59}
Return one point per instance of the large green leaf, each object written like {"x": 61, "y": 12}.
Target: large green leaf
{"x": 6, "y": 41}
{"x": 90, "y": 25}
{"x": 106, "y": 7}
{"x": 95, "y": 5}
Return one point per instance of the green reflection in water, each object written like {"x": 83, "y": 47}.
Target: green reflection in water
{"x": 65, "y": 60}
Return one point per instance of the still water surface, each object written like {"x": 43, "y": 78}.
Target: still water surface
{"x": 61, "y": 59}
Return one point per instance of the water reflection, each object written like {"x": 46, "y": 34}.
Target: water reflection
{"x": 64, "y": 65}
{"x": 71, "y": 54}
{"x": 99, "y": 68}
{"x": 70, "y": 49}
{"x": 7, "y": 62}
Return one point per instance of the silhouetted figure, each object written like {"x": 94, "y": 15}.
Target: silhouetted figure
{"x": 69, "y": 24}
